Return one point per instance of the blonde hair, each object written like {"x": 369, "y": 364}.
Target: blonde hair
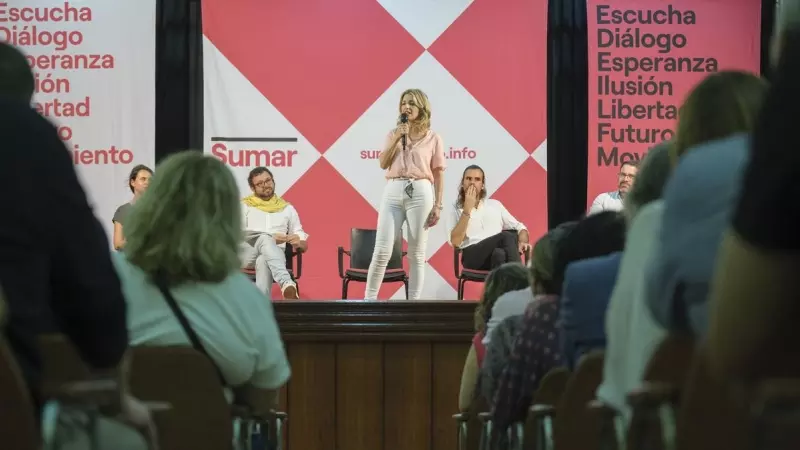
{"x": 423, "y": 122}
{"x": 187, "y": 225}
{"x": 723, "y": 104}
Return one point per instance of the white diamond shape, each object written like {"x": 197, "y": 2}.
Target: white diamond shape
{"x": 471, "y": 136}
{"x": 426, "y": 20}
{"x": 235, "y": 108}
{"x": 540, "y": 155}
{"x": 434, "y": 288}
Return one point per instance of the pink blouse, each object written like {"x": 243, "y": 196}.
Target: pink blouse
{"x": 419, "y": 159}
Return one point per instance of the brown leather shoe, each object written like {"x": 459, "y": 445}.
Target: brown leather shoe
{"x": 290, "y": 293}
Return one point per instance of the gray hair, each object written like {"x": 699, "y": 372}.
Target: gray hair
{"x": 187, "y": 225}
{"x": 653, "y": 174}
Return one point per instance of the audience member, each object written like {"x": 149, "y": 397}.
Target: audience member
{"x": 650, "y": 185}
{"x": 508, "y": 277}
{"x": 541, "y": 275}
{"x": 712, "y": 145}
{"x": 17, "y": 82}
{"x": 498, "y": 352}
{"x": 137, "y": 182}
{"x": 536, "y": 348}
{"x": 183, "y": 240}
{"x": 631, "y": 332}
{"x": 589, "y": 283}
{"x": 754, "y": 302}
{"x": 57, "y": 279}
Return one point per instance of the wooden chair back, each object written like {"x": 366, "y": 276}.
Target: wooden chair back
{"x": 573, "y": 418}
{"x": 18, "y": 427}
{"x": 200, "y": 417}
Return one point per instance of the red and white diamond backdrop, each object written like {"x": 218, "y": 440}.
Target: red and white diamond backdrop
{"x": 94, "y": 63}
{"x": 318, "y": 84}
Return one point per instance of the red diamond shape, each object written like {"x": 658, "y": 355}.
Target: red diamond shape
{"x": 320, "y": 63}
{"x": 497, "y": 49}
{"x": 524, "y": 194}
{"x": 328, "y": 222}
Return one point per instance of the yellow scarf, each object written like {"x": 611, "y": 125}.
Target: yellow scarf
{"x": 273, "y": 205}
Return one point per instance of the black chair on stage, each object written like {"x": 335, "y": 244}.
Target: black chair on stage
{"x": 464, "y": 275}
{"x": 294, "y": 265}
{"x": 362, "y": 244}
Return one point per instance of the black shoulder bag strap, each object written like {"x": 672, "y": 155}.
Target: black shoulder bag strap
{"x": 187, "y": 328}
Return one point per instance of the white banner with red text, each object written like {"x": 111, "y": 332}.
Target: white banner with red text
{"x": 94, "y": 67}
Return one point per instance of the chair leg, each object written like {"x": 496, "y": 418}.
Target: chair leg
{"x": 345, "y": 283}
{"x": 405, "y": 283}
{"x": 461, "y": 289}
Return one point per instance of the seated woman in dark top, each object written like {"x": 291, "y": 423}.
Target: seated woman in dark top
{"x": 138, "y": 181}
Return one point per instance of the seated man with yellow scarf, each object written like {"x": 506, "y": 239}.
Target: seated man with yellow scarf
{"x": 270, "y": 223}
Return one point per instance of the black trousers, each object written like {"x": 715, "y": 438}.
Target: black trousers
{"x": 492, "y": 252}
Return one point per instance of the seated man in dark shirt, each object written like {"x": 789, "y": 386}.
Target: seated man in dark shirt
{"x": 55, "y": 278}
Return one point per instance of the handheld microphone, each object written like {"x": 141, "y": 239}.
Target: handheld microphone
{"x": 404, "y": 119}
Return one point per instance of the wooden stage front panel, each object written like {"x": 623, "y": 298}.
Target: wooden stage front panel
{"x": 373, "y": 375}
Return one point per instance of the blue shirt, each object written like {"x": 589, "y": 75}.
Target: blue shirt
{"x": 699, "y": 201}
{"x": 588, "y": 285}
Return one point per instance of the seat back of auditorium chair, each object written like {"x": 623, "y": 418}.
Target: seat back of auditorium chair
{"x": 200, "y": 417}
{"x": 18, "y": 428}
{"x": 362, "y": 244}
{"x": 574, "y": 422}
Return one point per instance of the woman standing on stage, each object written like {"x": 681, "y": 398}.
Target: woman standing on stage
{"x": 414, "y": 162}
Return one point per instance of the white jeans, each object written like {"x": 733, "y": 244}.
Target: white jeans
{"x": 269, "y": 260}
{"x": 398, "y": 207}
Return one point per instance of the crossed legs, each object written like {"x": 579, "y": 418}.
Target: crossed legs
{"x": 269, "y": 261}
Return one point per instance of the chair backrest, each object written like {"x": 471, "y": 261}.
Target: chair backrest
{"x": 61, "y": 362}
{"x": 552, "y": 386}
{"x": 200, "y": 416}
{"x": 709, "y": 416}
{"x": 289, "y": 253}
{"x": 672, "y": 359}
{"x": 362, "y": 244}
{"x": 572, "y": 411}
{"x": 18, "y": 427}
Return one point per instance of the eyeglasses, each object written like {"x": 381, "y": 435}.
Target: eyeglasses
{"x": 262, "y": 183}
{"x": 626, "y": 176}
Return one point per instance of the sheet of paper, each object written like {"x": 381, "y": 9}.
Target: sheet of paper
{"x": 257, "y": 221}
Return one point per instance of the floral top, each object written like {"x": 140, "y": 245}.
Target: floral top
{"x": 535, "y": 352}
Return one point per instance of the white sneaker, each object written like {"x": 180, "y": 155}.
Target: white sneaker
{"x": 290, "y": 292}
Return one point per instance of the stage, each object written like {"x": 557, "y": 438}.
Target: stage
{"x": 373, "y": 375}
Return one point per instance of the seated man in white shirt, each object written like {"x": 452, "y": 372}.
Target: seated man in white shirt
{"x": 612, "y": 201}
{"x": 270, "y": 223}
{"x": 487, "y": 234}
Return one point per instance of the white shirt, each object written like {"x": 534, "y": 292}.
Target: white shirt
{"x": 233, "y": 320}
{"x": 632, "y": 333}
{"x": 509, "y": 304}
{"x": 607, "y": 201}
{"x": 488, "y": 219}
{"x": 257, "y": 222}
